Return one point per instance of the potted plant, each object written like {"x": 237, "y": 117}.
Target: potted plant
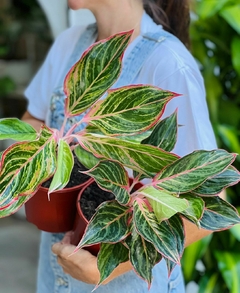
{"x": 124, "y": 130}
{"x": 47, "y": 153}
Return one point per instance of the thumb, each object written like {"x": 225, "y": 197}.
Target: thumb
{"x": 63, "y": 250}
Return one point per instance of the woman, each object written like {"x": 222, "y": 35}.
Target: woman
{"x": 161, "y": 60}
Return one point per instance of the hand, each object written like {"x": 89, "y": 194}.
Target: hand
{"x": 81, "y": 265}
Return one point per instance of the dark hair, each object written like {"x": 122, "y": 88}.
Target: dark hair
{"x": 173, "y": 15}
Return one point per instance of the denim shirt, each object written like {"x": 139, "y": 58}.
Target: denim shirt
{"x": 51, "y": 278}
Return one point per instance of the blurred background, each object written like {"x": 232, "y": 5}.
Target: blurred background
{"x": 27, "y": 30}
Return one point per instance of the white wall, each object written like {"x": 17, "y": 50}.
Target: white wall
{"x": 60, "y": 17}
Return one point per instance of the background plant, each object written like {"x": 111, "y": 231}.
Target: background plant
{"x": 215, "y": 34}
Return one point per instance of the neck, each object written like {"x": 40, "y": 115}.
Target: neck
{"x": 119, "y": 16}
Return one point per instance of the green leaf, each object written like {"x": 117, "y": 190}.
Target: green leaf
{"x": 65, "y": 164}
{"x": 143, "y": 255}
{"x": 231, "y": 15}
{"x": 235, "y": 230}
{"x": 86, "y": 158}
{"x": 209, "y": 8}
{"x": 112, "y": 177}
{"x": 96, "y": 71}
{"x": 109, "y": 225}
{"x": 160, "y": 235}
{"x": 109, "y": 257}
{"x": 216, "y": 184}
{"x": 235, "y": 48}
{"x": 164, "y": 134}
{"x": 129, "y": 110}
{"x": 229, "y": 265}
{"x": 164, "y": 204}
{"x": 25, "y": 166}
{"x": 192, "y": 254}
{"x": 195, "y": 208}
{"x": 208, "y": 283}
{"x": 144, "y": 159}
{"x": 218, "y": 214}
{"x": 190, "y": 171}
{"x": 13, "y": 128}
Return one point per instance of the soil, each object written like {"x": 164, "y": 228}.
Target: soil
{"x": 92, "y": 197}
{"x": 76, "y": 177}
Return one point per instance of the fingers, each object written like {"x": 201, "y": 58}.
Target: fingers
{"x": 67, "y": 237}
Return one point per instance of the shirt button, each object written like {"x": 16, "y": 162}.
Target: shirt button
{"x": 61, "y": 282}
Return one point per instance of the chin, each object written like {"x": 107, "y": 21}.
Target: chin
{"x": 76, "y": 4}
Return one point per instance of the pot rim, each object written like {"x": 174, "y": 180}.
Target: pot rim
{"x": 68, "y": 188}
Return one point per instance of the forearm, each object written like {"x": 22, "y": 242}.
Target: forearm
{"x": 36, "y": 123}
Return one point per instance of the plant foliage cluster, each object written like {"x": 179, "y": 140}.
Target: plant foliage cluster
{"x": 123, "y": 130}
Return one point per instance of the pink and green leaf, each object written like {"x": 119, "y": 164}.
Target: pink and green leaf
{"x": 164, "y": 135}
{"x": 216, "y": 184}
{"x": 13, "y": 128}
{"x": 86, "y": 158}
{"x": 195, "y": 209}
{"x": 96, "y": 71}
{"x": 143, "y": 255}
{"x": 164, "y": 204}
{"x": 65, "y": 164}
{"x": 218, "y": 214}
{"x": 129, "y": 110}
{"x": 109, "y": 257}
{"x": 14, "y": 206}
{"x": 159, "y": 234}
{"x": 109, "y": 225}
{"x": 192, "y": 170}
{"x": 24, "y": 166}
{"x": 111, "y": 176}
{"x": 144, "y": 159}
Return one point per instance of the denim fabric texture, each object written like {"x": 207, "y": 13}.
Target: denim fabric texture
{"x": 51, "y": 278}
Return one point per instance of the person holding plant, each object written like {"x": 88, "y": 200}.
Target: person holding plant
{"x": 157, "y": 55}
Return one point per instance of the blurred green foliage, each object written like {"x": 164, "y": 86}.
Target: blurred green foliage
{"x": 215, "y": 35}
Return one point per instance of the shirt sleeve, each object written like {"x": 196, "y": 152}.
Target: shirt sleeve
{"x": 49, "y": 76}
{"x": 195, "y": 130}
{"x": 40, "y": 88}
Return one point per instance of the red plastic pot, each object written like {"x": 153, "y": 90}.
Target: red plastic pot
{"x": 57, "y": 214}
{"x": 81, "y": 222}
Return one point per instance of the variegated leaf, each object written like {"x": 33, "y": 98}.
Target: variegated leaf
{"x": 143, "y": 255}
{"x": 96, "y": 71}
{"x": 164, "y": 204}
{"x": 111, "y": 176}
{"x": 192, "y": 170}
{"x": 65, "y": 164}
{"x": 13, "y": 128}
{"x": 25, "y": 166}
{"x": 109, "y": 257}
{"x": 195, "y": 209}
{"x": 144, "y": 159}
{"x": 170, "y": 266}
{"x": 109, "y": 225}
{"x": 175, "y": 223}
{"x": 218, "y": 214}
{"x": 164, "y": 134}
{"x": 87, "y": 159}
{"x": 216, "y": 184}
{"x": 129, "y": 110}
{"x": 159, "y": 234}
{"x": 14, "y": 206}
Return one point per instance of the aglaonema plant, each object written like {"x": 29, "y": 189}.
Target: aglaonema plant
{"x": 123, "y": 130}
